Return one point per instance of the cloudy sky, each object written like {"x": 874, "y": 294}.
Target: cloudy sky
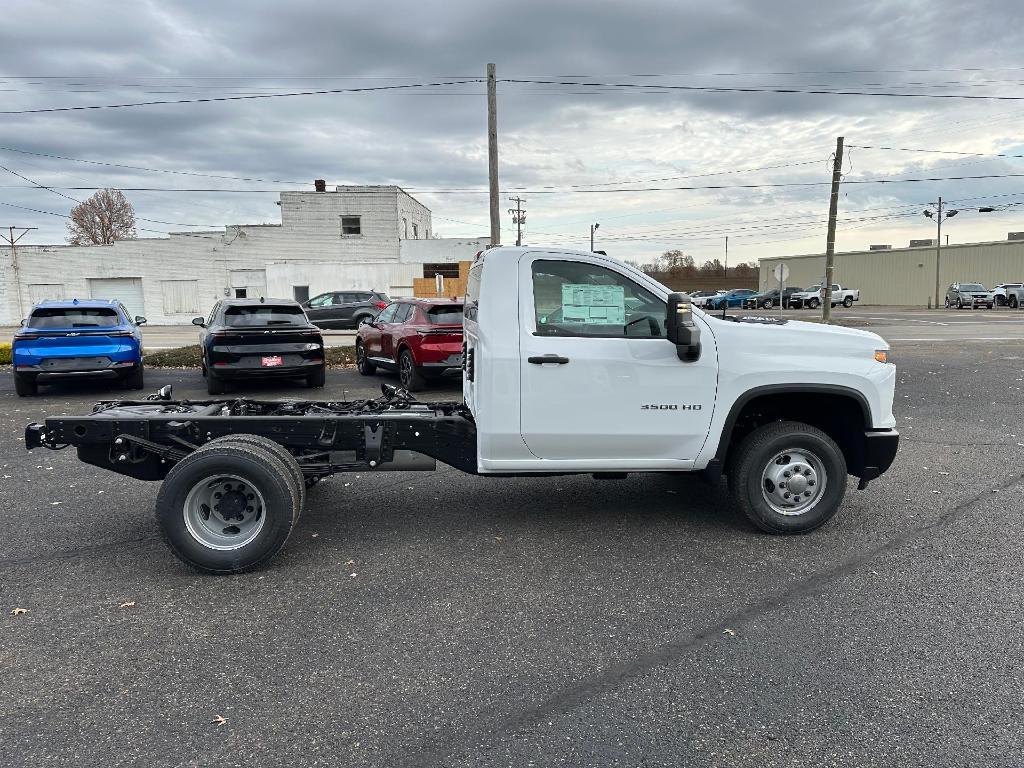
{"x": 611, "y": 115}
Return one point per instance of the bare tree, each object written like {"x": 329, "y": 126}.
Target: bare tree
{"x": 103, "y": 218}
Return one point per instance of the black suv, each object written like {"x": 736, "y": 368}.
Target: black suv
{"x": 260, "y": 338}
{"x": 344, "y": 309}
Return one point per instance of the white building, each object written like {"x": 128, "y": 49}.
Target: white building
{"x": 373, "y": 238}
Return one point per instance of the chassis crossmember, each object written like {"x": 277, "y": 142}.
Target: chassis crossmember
{"x": 144, "y": 439}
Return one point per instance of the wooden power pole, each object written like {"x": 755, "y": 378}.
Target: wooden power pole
{"x": 492, "y": 153}
{"x": 830, "y": 241}
{"x": 12, "y": 241}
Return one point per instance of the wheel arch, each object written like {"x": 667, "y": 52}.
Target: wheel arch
{"x": 841, "y": 412}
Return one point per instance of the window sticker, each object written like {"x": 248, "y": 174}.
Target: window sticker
{"x": 593, "y": 304}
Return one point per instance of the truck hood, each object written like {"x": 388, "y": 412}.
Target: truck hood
{"x": 796, "y": 337}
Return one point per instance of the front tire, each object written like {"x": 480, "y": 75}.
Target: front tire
{"x": 813, "y": 303}
{"x": 959, "y": 303}
{"x": 409, "y": 373}
{"x": 788, "y": 477}
{"x": 227, "y": 508}
{"x": 25, "y": 385}
{"x": 768, "y": 304}
{"x": 947, "y": 302}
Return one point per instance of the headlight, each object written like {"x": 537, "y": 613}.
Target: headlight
{"x": 882, "y": 355}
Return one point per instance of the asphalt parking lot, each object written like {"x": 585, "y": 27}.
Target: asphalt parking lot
{"x": 424, "y": 619}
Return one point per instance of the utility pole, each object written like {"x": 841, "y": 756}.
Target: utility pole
{"x": 830, "y": 241}
{"x": 726, "y": 257}
{"x": 12, "y": 241}
{"x": 518, "y": 217}
{"x": 593, "y": 229}
{"x": 492, "y": 153}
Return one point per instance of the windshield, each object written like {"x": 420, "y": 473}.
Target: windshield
{"x": 445, "y": 315}
{"x": 74, "y": 317}
{"x": 264, "y": 314}
{"x": 972, "y": 287}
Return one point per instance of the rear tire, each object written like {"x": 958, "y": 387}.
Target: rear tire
{"x": 362, "y": 361}
{"x": 848, "y": 302}
{"x": 813, "y": 303}
{"x": 284, "y": 456}
{"x": 409, "y": 373}
{"x": 137, "y": 379}
{"x": 318, "y": 379}
{"x": 214, "y": 384}
{"x": 799, "y": 453}
{"x": 1013, "y": 302}
{"x": 25, "y": 385}
{"x": 261, "y": 507}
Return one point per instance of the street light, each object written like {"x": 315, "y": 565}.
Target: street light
{"x": 593, "y": 229}
{"x": 938, "y": 216}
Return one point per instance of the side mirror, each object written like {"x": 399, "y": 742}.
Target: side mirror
{"x": 140, "y": 320}
{"x": 200, "y": 321}
{"x": 681, "y": 328}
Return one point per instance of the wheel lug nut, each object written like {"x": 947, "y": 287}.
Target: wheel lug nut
{"x": 785, "y": 495}
{"x": 810, "y": 482}
{"x": 787, "y": 473}
{"x": 248, "y": 509}
{"x": 249, "y": 496}
{"x": 217, "y": 495}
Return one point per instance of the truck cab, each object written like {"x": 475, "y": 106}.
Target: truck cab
{"x": 573, "y": 370}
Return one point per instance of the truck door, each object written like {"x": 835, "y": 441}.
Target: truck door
{"x": 599, "y": 379}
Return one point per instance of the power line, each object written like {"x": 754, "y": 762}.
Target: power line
{"x": 210, "y": 99}
{"x": 741, "y": 89}
{"x": 152, "y": 170}
{"x": 938, "y": 151}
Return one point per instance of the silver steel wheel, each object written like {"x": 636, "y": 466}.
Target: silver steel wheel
{"x": 793, "y": 481}
{"x": 224, "y": 512}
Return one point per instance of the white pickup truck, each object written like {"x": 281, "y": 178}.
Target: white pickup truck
{"x": 574, "y": 363}
{"x": 814, "y": 296}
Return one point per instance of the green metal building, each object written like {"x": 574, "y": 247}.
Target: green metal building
{"x": 906, "y": 276}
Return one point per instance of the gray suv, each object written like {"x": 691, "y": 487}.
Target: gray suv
{"x": 970, "y": 295}
{"x": 344, "y": 309}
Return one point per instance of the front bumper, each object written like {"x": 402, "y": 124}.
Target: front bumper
{"x": 879, "y": 452}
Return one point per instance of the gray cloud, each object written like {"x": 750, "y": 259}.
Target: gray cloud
{"x": 551, "y": 136}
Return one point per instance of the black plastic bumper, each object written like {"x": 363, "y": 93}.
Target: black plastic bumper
{"x": 879, "y": 452}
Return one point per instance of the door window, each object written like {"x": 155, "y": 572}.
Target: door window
{"x": 404, "y": 310}
{"x": 573, "y": 298}
{"x": 321, "y": 301}
{"x": 387, "y": 314}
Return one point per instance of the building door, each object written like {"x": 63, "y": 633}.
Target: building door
{"x": 127, "y": 290}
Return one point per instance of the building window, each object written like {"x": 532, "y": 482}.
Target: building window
{"x": 300, "y": 293}
{"x": 241, "y": 293}
{"x": 415, "y": 232}
{"x": 445, "y": 270}
{"x": 351, "y": 225}
{"x": 405, "y": 226}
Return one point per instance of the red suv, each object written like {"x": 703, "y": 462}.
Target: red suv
{"x": 419, "y": 338}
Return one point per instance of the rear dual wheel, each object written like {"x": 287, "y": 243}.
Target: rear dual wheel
{"x": 230, "y": 506}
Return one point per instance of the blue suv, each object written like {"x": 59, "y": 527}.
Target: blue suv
{"x": 79, "y": 338}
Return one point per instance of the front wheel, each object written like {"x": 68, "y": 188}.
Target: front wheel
{"x": 947, "y": 302}
{"x": 814, "y": 303}
{"x": 768, "y": 304}
{"x": 959, "y": 303}
{"x": 788, "y": 477}
{"x": 409, "y": 373}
